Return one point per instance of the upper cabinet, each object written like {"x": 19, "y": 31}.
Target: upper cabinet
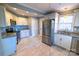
{"x": 76, "y": 18}
{"x": 19, "y": 20}
{"x": 2, "y": 17}
{"x": 9, "y": 16}
{"x": 22, "y": 21}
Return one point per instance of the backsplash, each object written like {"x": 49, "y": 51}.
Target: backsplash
{"x": 15, "y": 28}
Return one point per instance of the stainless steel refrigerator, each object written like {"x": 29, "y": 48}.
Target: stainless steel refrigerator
{"x": 48, "y": 31}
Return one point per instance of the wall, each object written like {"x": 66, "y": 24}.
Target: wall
{"x": 40, "y": 25}
{"x": 34, "y": 26}
{"x": 56, "y": 22}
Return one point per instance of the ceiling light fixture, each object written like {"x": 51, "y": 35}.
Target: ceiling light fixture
{"x": 14, "y": 8}
{"x": 27, "y": 11}
{"x": 23, "y": 14}
{"x": 35, "y": 14}
{"x": 65, "y": 9}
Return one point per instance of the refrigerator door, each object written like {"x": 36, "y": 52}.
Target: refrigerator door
{"x": 46, "y": 40}
{"x": 46, "y": 27}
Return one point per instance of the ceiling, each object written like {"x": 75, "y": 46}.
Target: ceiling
{"x": 21, "y": 12}
{"x": 40, "y": 9}
{"x": 59, "y": 7}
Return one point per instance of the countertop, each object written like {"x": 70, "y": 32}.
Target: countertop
{"x": 69, "y": 33}
{"x": 7, "y": 35}
{"x": 16, "y": 29}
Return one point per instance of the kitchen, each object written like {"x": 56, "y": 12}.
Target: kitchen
{"x": 57, "y": 28}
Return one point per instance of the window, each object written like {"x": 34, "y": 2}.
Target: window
{"x": 65, "y": 22}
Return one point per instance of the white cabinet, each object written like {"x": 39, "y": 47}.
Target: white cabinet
{"x": 22, "y": 21}
{"x": 57, "y": 38}
{"x": 24, "y": 33}
{"x": 8, "y": 46}
{"x": 63, "y": 41}
{"x": 76, "y": 19}
{"x": 66, "y": 42}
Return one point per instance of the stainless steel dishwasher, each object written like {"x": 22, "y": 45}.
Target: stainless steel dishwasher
{"x": 75, "y": 45}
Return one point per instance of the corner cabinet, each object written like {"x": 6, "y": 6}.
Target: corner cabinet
{"x": 63, "y": 41}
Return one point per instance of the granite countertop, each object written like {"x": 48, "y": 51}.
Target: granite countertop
{"x": 69, "y": 33}
{"x": 6, "y": 35}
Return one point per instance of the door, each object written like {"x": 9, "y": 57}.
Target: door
{"x": 46, "y": 27}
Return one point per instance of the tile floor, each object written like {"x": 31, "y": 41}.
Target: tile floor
{"x": 34, "y": 47}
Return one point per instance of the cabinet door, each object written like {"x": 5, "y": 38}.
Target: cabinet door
{"x": 76, "y": 19}
{"x": 9, "y": 45}
{"x": 58, "y": 39}
{"x": 66, "y": 42}
{"x": 24, "y": 33}
{"x": 46, "y": 40}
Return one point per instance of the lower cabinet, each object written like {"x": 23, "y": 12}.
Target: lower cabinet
{"x": 63, "y": 41}
{"x": 24, "y": 33}
{"x": 57, "y": 40}
{"x": 66, "y": 42}
{"x": 7, "y": 46}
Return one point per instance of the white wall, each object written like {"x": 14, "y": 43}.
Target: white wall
{"x": 40, "y": 25}
{"x": 34, "y": 26}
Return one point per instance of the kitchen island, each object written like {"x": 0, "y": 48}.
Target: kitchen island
{"x": 10, "y": 36}
{"x": 22, "y": 31}
{"x": 7, "y": 43}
